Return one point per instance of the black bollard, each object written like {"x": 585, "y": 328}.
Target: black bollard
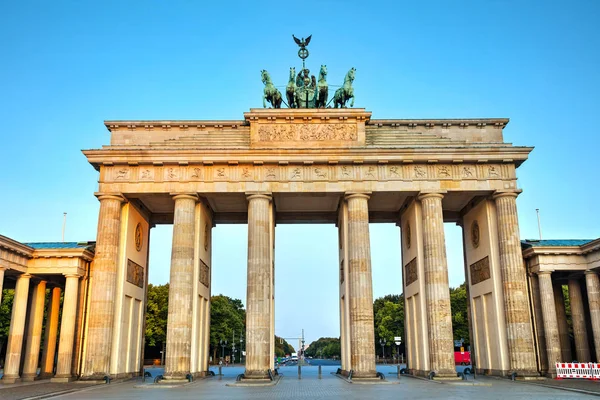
{"x": 319, "y": 372}
{"x": 398, "y": 370}
{"x": 299, "y": 371}
{"x": 220, "y": 373}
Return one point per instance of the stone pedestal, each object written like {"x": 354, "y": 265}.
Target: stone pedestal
{"x": 593, "y": 291}
{"x": 67, "y": 330}
{"x": 582, "y": 347}
{"x": 553, "y": 349}
{"x": 180, "y": 318}
{"x": 258, "y": 296}
{"x": 563, "y": 326}
{"x": 103, "y": 277}
{"x": 514, "y": 280}
{"x": 34, "y": 333}
{"x": 16, "y": 330}
{"x": 437, "y": 291}
{"x": 360, "y": 283}
{"x": 47, "y": 366}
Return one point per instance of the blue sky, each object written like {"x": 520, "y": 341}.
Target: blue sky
{"x": 67, "y": 66}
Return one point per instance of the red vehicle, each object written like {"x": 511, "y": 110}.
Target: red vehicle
{"x": 462, "y": 357}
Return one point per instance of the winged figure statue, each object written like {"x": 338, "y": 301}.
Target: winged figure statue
{"x": 302, "y": 42}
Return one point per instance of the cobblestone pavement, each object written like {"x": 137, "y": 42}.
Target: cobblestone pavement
{"x": 23, "y": 391}
{"x": 329, "y": 387}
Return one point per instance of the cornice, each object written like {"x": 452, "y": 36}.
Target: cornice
{"x": 444, "y": 123}
{"x": 168, "y": 124}
{"x": 83, "y": 253}
{"x": 152, "y": 155}
{"x": 14, "y": 246}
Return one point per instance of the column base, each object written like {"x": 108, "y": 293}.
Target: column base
{"x": 439, "y": 375}
{"x": 62, "y": 379}
{"x": 359, "y": 374}
{"x": 45, "y": 375}
{"x": 8, "y": 379}
{"x": 256, "y": 374}
{"x": 28, "y": 378}
{"x": 526, "y": 375}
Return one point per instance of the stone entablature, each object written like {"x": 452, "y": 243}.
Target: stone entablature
{"x": 562, "y": 258}
{"x": 301, "y": 128}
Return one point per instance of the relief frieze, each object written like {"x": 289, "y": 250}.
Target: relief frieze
{"x": 135, "y": 274}
{"x": 204, "y": 273}
{"x": 410, "y": 272}
{"x": 308, "y": 172}
{"x": 480, "y": 271}
{"x": 307, "y": 132}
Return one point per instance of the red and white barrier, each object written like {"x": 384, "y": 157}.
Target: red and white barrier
{"x": 578, "y": 371}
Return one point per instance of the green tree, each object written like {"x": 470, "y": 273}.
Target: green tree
{"x": 156, "y": 315}
{"x": 460, "y": 320}
{"x": 227, "y": 323}
{"x": 5, "y": 312}
{"x": 325, "y": 347}
{"x": 388, "y": 315}
{"x": 282, "y": 347}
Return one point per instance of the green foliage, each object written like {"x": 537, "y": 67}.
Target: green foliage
{"x": 227, "y": 317}
{"x": 5, "y": 312}
{"x": 156, "y": 314}
{"x": 282, "y": 348}
{"x": 324, "y": 348}
{"x": 460, "y": 318}
{"x": 388, "y": 314}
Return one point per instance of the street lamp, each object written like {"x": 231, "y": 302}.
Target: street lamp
{"x": 232, "y": 353}
{"x": 223, "y": 344}
{"x": 382, "y": 342}
{"x": 398, "y": 341}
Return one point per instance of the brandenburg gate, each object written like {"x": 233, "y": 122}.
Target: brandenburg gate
{"x": 310, "y": 165}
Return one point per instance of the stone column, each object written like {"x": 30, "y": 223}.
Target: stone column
{"x": 563, "y": 326}
{"x": 539, "y": 322}
{"x": 103, "y": 277}
{"x": 582, "y": 347}
{"x": 514, "y": 281}
{"x": 180, "y": 318}
{"x": 258, "y": 296}
{"x": 593, "y": 292}
{"x": 2, "y": 269}
{"x": 47, "y": 367}
{"x": 553, "y": 349}
{"x": 16, "y": 330}
{"x": 360, "y": 283}
{"x": 34, "y": 333}
{"x": 437, "y": 290}
{"x": 67, "y": 330}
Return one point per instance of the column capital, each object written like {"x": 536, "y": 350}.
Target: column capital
{"x": 110, "y": 196}
{"x": 355, "y": 195}
{"x": 506, "y": 193}
{"x": 545, "y": 272}
{"x": 3, "y": 268}
{"x": 72, "y": 276}
{"x": 259, "y": 195}
{"x": 590, "y": 272}
{"x": 191, "y": 196}
{"x": 24, "y": 276}
{"x": 425, "y": 195}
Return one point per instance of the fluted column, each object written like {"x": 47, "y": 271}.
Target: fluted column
{"x": 179, "y": 321}
{"x": 47, "y": 366}
{"x": 539, "y": 327}
{"x": 2, "y": 269}
{"x": 103, "y": 277}
{"x": 514, "y": 281}
{"x": 582, "y": 347}
{"x": 437, "y": 290}
{"x": 360, "y": 283}
{"x": 258, "y": 295}
{"x": 34, "y": 333}
{"x": 67, "y": 329}
{"x": 553, "y": 349}
{"x": 16, "y": 330}
{"x": 593, "y": 291}
{"x": 563, "y": 326}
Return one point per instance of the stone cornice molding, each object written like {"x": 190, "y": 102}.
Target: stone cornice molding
{"x": 80, "y": 252}
{"x": 446, "y": 123}
{"x": 168, "y": 124}
{"x": 15, "y": 247}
